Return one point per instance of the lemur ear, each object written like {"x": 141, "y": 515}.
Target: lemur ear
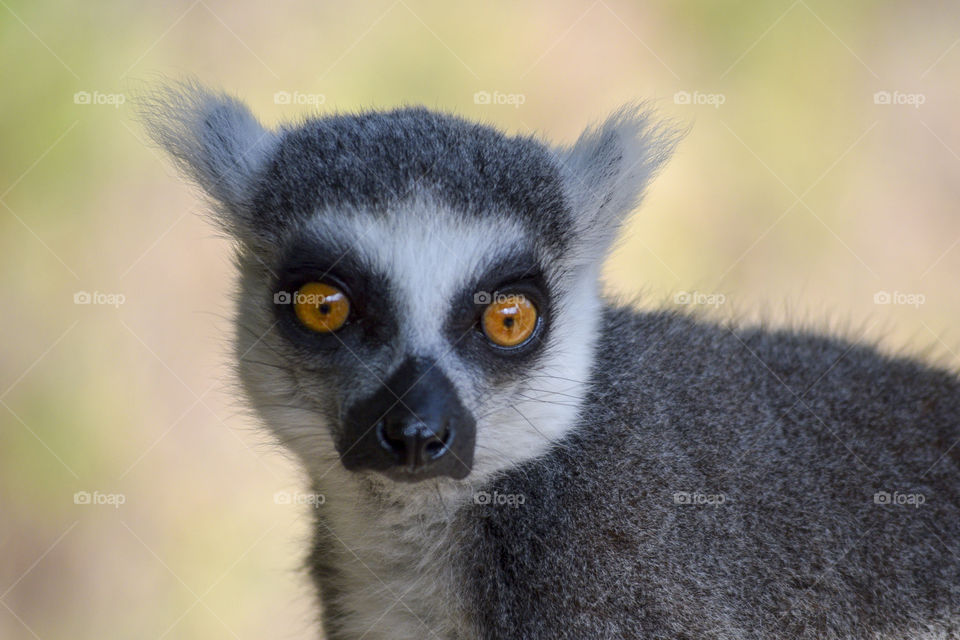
{"x": 607, "y": 171}
{"x": 214, "y": 140}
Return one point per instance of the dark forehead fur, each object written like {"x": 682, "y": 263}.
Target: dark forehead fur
{"x": 371, "y": 160}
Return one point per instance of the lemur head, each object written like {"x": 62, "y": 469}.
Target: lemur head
{"x": 419, "y": 295}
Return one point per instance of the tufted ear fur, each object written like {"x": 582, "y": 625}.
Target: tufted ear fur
{"x": 215, "y": 141}
{"x": 606, "y": 173}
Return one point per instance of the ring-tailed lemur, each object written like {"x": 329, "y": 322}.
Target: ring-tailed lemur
{"x": 503, "y": 452}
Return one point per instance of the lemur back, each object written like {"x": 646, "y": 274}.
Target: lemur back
{"x": 504, "y": 452}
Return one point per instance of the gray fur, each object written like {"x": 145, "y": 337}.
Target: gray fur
{"x": 607, "y": 171}
{"x": 592, "y": 439}
{"x": 372, "y": 159}
{"x": 797, "y": 432}
{"x": 215, "y": 141}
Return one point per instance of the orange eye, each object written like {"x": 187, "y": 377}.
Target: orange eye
{"x": 321, "y": 307}
{"x": 509, "y": 321}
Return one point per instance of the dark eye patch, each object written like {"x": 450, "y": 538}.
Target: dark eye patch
{"x": 371, "y": 317}
{"x": 513, "y": 274}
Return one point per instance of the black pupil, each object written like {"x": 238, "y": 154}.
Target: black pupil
{"x": 324, "y": 308}
{"x": 508, "y": 322}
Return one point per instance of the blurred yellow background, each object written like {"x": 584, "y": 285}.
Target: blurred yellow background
{"x": 818, "y": 187}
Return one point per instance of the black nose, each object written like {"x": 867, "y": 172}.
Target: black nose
{"x": 413, "y": 441}
{"x": 413, "y": 427}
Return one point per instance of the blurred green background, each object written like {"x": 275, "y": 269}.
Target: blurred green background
{"x": 818, "y": 187}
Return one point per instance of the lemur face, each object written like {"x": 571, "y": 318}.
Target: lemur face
{"x": 419, "y": 294}
{"x": 414, "y": 338}
{"x": 414, "y": 282}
